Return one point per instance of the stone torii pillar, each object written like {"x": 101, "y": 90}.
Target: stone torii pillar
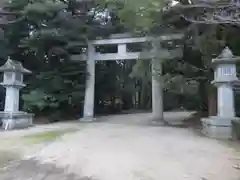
{"x": 11, "y": 117}
{"x": 220, "y": 126}
{"x": 157, "y": 91}
{"x": 88, "y": 111}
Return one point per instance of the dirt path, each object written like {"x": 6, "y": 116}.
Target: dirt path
{"x": 126, "y": 151}
{"x": 18, "y": 148}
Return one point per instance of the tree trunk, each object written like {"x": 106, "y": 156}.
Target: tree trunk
{"x": 208, "y": 98}
{"x": 203, "y": 96}
{"x": 142, "y": 95}
{"x": 212, "y": 100}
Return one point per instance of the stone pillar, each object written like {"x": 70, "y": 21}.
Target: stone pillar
{"x": 11, "y": 99}
{"x": 11, "y": 117}
{"x": 157, "y": 91}
{"x": 225, "y": 99}
{"x": 88, "y": 113}
{"x": 220, "y": 126}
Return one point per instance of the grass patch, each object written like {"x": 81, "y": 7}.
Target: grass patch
{"x": 47, "y": 136}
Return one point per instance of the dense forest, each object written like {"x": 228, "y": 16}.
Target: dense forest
{"x": 46, "y": 36}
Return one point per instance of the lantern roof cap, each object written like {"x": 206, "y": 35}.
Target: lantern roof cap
{"x": 226, "y": 53}
{"x": 226, "y": 57}
{"x": 13, "y": 66}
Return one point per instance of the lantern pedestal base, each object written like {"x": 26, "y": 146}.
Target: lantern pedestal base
{"x": 87, "y": 119}
{"x": 217, "y": 127}
{"x": 16, "y": 120}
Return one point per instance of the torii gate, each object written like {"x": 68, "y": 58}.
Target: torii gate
{"x": 121, "y": 40}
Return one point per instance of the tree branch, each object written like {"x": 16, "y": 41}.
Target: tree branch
{"x": 212, "y": 13}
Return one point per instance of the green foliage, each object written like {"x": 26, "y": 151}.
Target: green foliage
{"x": 43, "y": 8}
{"x": 51, "y": 89}
{"x": 180, "y": 85}
{"x": 35, "y": 99}
{"x": 142, "y": 14}
{"x": 41, "y": 40}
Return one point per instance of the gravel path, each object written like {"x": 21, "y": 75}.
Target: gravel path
{"x": 127, "y": 151}
{"x": 107, "y": 151}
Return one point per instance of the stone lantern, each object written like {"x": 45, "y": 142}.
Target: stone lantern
{"x": 11, "y": 117}
{"x": 220, "y": 126}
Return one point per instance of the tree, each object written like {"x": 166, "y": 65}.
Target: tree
{"x": 45, "y": 36}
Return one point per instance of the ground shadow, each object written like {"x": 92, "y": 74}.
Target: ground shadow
{"x": 32, "y": 169}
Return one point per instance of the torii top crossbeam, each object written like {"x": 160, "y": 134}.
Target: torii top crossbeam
{"x": 122, "y": 40}
{"x": 127, "y": 38}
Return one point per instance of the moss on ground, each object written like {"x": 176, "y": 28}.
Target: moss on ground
{"x": 46, "y": 136}
{"x": 10, "y": 149}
